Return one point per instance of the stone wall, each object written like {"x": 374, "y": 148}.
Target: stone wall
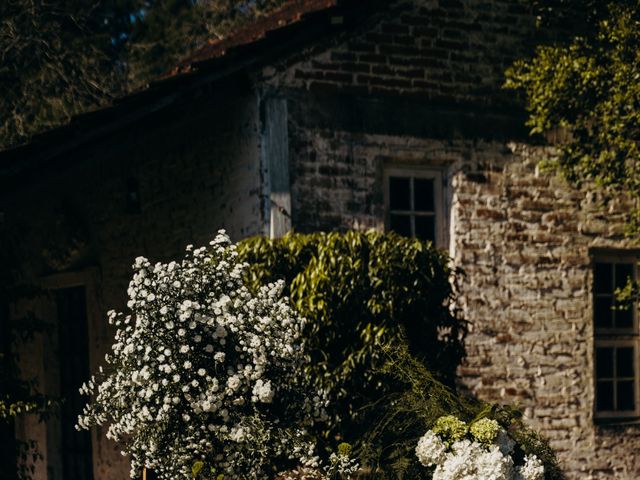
{"x": 524, "y": 239}
{"x": 196, "y": 172}
{"x": 337, "y": 176}
{"x": 418, "y": 89}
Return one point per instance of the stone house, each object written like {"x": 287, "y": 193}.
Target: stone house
{"x": 337, "y": 115}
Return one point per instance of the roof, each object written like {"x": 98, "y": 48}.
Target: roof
{"x": 291, "y": 12}
{"x": 296, "y": 24}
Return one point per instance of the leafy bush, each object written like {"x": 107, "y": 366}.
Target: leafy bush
{"x": 399, "y": 419}
{"x": 360, "y": 291}
{"x": 363, "y": 290}
{"x": 210, "y": 374}
{"x": 385, "y": 337}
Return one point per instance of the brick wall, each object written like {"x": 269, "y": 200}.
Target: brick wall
{"x": 337, "y": 176}
{"x": 442, "y": 50}
{"x": 197, "y": 172}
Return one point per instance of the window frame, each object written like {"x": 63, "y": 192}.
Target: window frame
{"x": 427, "y": 173}
{"x": 616, "y": 337}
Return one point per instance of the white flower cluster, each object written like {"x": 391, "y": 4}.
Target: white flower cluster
{"x": 203, "y": 370}
{"x": 483, "y": 452}
{"x": 531, "y": 470}
{"x": 431, "y": 450}
{"x": 341, "y": 465}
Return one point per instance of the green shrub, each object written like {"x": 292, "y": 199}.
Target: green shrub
{"x": 386, "y": 339}
{"x": 360, "y": 291}
{"x": 399, "y": 418}
{"x": 363, "y": 290}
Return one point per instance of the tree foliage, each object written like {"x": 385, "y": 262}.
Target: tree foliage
{"x": 162, "y": 33}
{"x": 589, "y": 87}
{"x": 54, "y": 63}
{"x": 59, "y": 58}
{"x": 360, "y": 291}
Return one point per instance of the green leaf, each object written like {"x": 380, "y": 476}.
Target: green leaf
{"x": 196, "y": 468}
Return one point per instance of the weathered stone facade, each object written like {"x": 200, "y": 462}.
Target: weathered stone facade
{"x": 523, "y": 237}
{"x": 417, "y": 87}
{"x": 524, "y": 240}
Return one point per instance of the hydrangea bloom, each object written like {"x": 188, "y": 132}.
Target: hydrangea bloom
{"x": 203, "y": 370}
{"x": 485, "y": 454}
{"x": 471, "y": 460}
{"x": 485, "y": 430}
{"x": 450, "y": 427}
{"x": 531, "y": 470}
{"x": 431, "y": 449}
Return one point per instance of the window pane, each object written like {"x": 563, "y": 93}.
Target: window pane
{"x": 423, "y": 192}
{"x": 425, "y": 228}
{"x": 624, "y": 318}
{"x": 603, "y": 313}
{"x": 624, "y": 272}
{"x": 624, "y": 362}
{"x": 626, "y": 400}
{"x": 604, "y": 362}
{"x": 604, "y": 395}
{"x": 401, "y": 224}
{"x": 399, "y": 193}
{"x": 603, "y": 278}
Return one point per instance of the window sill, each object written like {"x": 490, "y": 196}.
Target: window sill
{"x": 605, "y": 422}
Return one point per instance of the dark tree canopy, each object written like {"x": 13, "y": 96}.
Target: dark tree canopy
{"x": 59, "y": 58}
{"x": 55, "y": 62}
{"x": 589, "y": 88}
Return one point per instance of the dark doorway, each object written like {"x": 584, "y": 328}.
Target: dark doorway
{"x": 9, "y": 451}
{"x": 74, "y": 370}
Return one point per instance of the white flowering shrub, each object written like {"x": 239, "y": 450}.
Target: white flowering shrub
{"x": 205, "y": 375}
{"x": 340, "y": 466}
{"x": 483, "y": 451}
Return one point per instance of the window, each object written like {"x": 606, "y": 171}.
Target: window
{"x": 616, "y": 339}
{"x": 413, "y": 201}
{"x": 133, "y": 196}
